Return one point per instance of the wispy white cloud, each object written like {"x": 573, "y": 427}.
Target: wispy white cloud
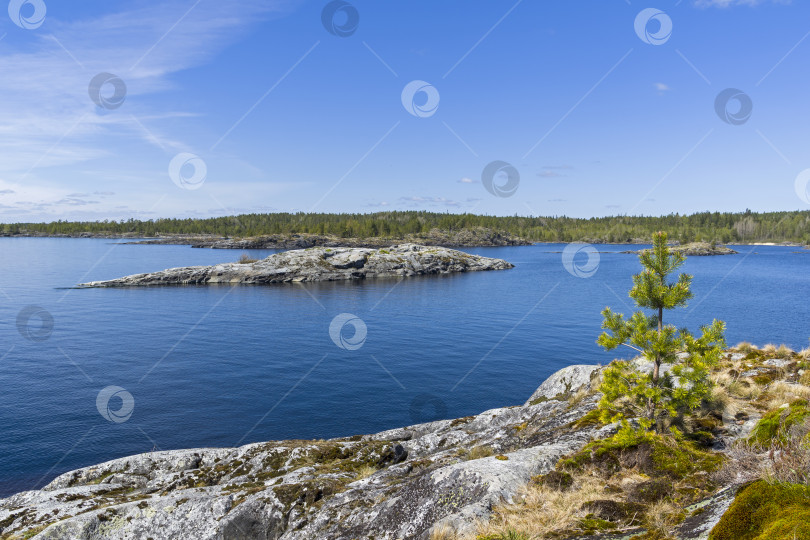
{"x": 48, "y": 117}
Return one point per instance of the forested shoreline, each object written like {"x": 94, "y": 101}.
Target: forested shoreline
{"x": 721, "y": 227}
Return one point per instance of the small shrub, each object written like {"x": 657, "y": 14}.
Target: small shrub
{"x": 246, "y": 259}
{"x": 744, "y": 465}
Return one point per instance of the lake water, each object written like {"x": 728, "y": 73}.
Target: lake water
{"x": 222, "y": 366}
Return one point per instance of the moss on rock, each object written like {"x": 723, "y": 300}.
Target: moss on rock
{"x": 773, "y": 427}
{"x": 763, "y": 511}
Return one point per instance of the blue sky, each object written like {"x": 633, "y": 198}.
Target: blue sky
{"x": 270, "y": 111}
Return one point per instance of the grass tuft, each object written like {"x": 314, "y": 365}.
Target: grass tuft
{"x": 246, "y": 259}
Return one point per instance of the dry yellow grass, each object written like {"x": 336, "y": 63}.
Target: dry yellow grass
{"x": 745, "y": 347}
{"x": 770, "y": 348}
{"x": 784, "y": 351}
{"x": 246, "y": 259}
{"x": 781, "y": 393}
{"x": 482, "y": 451}
{"x": 578, "y": 396}
{"x": 744, "y": 390}
{"x": 662, "y": 517}
{"x": 443, "y": 532}
{"x": 365, "y": 471}
{"x": 539, "y": 510}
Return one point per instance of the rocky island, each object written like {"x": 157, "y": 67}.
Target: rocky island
{"x": 549, "y": 465}
{"x": 319, "y": 264}
{"x": 698, "y": 249}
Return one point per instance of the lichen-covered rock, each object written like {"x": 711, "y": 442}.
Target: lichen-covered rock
{"x": 564, "y": 383}
{"x": 397, "y": 484}
{"x": 319, "y": 264}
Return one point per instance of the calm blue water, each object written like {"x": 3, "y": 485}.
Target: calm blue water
{"x": 221, "y": 366}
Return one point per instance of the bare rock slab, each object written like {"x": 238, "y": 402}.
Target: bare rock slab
{"x": 319, "y": 264}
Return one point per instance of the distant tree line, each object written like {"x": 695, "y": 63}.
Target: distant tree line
{"x": 723, "y": 227}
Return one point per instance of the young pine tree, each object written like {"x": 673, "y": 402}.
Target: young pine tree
{"x": 652, "y": 396}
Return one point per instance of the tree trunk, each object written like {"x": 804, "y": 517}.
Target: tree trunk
{"x": 656, "y": 374}
{"x": 657, "y": 360}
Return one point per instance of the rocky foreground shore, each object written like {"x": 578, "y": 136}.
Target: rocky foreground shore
{"x": 319, "y": 264}
{"x": 396, "y": 484}
{"x": 435, "y": 480}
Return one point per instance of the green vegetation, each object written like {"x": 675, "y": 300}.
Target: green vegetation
{"x": 652, "y": 454}
{"x": 775, "y": 426}
{"x": 763, "y": 511}
{"x": 652, "y": 397}
{"x": 722, "y": 227}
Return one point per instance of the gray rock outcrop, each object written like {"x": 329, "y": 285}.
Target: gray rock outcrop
{"x": 696, "y": 249}
{"x": 563, "y": 383}
{"x": 319, "y": 264}
{"x": 395, "y": 484}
